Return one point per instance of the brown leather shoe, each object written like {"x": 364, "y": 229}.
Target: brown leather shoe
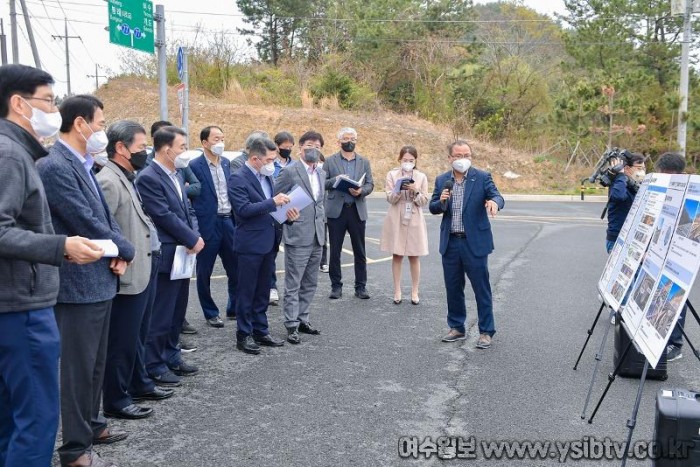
{"x": 109, "y": 436}
{"x": 484, "y": 342}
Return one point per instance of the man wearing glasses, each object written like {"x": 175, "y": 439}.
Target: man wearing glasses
{"x": 466, "y": 196}
{"x": 347, "y": 211}
{"x": 30, "y": 254}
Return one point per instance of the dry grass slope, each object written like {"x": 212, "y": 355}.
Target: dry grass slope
{"x": 381, "y": 134}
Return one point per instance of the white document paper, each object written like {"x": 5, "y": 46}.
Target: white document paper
{"x": 183, "y": 264}
{"x": 110, "y": 248}
{"x": 298, "y": 198}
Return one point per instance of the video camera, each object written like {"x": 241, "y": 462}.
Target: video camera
{"x": 604, "y": 172}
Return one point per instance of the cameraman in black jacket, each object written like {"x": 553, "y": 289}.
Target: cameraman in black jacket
{"x": 629, "y": 172}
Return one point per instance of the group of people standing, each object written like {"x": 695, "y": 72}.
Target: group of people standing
{"x": 91, "y": 228}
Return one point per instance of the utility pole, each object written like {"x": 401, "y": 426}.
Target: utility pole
{"x": 159, "y": 18}
{"x": 683, "y": 88}
{"x": 30, "y": 34}
{"x": 3, "y": 43}
{"x": 66, "y": 37}
{"x": 97, "y": 76}
{"x": 13, "y": 31}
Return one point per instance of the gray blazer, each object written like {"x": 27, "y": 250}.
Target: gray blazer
{"x": 77, "y": 209}
{"x": 125, "y": 206}
{"x": 312, "y": 219}
{"x": 335, "y": 199}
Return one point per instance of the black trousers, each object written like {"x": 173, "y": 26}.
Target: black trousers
{"x": 84, "y": 330}
{"x": 130, "y": 321}
{"x": 348, "y": 222}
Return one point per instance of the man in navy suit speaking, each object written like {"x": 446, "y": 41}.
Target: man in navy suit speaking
{"x": 465, "y": 196}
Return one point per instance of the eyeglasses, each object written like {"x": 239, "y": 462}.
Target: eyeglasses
{"x": 459, "y": 156}
{"x": 50, "y": 100}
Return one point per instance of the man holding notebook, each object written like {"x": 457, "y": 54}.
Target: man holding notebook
{"x": 346, "y": 210}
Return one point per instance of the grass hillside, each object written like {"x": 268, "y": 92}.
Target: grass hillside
{"x": 381, "y": 135}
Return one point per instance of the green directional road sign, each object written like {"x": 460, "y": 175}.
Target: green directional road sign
{"x": 131, "y": 24}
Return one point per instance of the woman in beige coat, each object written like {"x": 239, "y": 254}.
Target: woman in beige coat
{"x": 404, "y": 232}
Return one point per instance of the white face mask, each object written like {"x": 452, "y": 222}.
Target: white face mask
{"x": 97, "y": 142}
{"x": 462, "y": 165}
{"x": 218, "y": 149}
{"x": 268, "y": 169}
{"x": 44, "y": 124}
{"x": 639, "y": 175}
{"x": 319, "y": 165}
{"x": 101, "y": 159}
{"x": 181, "y": 161}
{"x": 407, "y": 166}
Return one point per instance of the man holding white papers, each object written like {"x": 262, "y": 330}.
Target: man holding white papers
{"x": 303, "y": 243}
{"x": 347, "y": 211}
{"x": 165, "y": 201}
{"x": 85, "y": 296}
{"x": 251, "y": 193}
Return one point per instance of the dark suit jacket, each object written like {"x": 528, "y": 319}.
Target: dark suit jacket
{"x": 206, "y": 204}
{"x": 194, "y": 185}
{"x": 173, "y": 217}
{"x": 256, "y": 231}
{"x": 77, "y": 209}
{"x": 478, "y": 188}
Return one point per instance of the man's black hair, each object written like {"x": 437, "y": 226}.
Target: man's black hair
{"x": 124, "y": 131}
{"x": 22, "y": 80}
{"x": 311, "y": 136}
{"x": 284, "y": 137}
{"x": 158, "y": 125}
{"x": 670, "y": 163}
{"x": 82, "y": 105}
{"x": 165, "y": 136}
{"x": 206, "y": 131}
{"x": 259, "y": 147}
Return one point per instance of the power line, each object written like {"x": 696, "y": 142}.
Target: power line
{"x": 372, "y": 20}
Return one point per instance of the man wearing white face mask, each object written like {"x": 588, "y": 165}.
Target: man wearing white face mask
{"x": 85, "y": 296}
{"x": 466, "y": 196}
{"x": 30, "y": 255}
{"x": 216, "y": 225}
{"x": 165, "y": 201}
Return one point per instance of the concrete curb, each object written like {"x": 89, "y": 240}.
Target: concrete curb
{"x": 524, "y": 197}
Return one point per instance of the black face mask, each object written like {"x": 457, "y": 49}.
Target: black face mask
{"x": 286, "y": 153}
{"x": 138, "y": 159}
{"x": 348, "y": 146}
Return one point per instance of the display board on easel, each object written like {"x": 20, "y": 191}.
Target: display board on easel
{"x": 633, "y": 240}
{"x": 669, "y": 270}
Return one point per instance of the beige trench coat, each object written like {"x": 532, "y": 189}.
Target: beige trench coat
{"x": 405, "y": 236}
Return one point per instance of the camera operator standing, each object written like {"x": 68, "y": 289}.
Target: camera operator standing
{"x": 629, "y": 172}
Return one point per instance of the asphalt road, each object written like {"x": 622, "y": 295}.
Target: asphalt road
{"x": 379, "y": 372}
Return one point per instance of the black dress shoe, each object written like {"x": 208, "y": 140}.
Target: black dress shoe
{"x": 187, "y": 328}
{"x": 167, "y": 379}
{"x": 112, "y": 436}
{"x": 157, "y": 394}
{"x": 361, "y": 293}
{"x": 306, "y": 328}
{"x": 130, "y": 412}
{"x": 336, "y": 294}
{"x": 184, "y": 369}
{"x": 248, "y": 345}
{"x": 268, "y": 340}
{"x": 293, "y": 336}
